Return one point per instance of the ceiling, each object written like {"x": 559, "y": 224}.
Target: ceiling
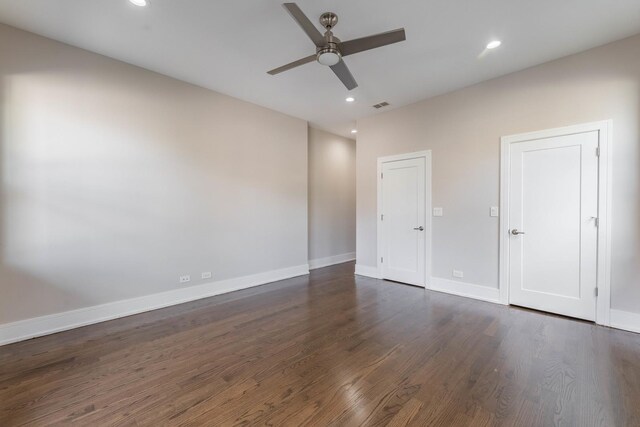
{"x": 228, "y": 45}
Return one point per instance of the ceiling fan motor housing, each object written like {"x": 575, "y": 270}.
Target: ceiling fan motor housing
{"x": 330, "y": 53}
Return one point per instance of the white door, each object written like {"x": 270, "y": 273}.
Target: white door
{"x": 403, "y": 221}
{"x": 553, "y": 209}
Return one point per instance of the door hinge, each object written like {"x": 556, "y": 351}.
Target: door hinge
{"x": 597, "y": 151}
{"x": 596, "y": 292}
{"x": 382, "y": 217}
{"x": 381, "y": 260}
{"x": 381, "y": 175}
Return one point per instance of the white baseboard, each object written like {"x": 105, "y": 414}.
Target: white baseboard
{"x": 331, "y": 260}
{"x": 365, "y": 270}
{"x": 625, "y": 320}
{"x": 50, "y": 324}
{"x": 469, "y": 290}
{"x": 483, "y": 293}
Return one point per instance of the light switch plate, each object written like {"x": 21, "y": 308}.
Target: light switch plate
{"x": 206, "y": 275}
{"x": 438, "y": 212}
{"x": 494, "y": 211}
{"x": 457, "y": 273}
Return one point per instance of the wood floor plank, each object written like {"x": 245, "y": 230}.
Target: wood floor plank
{"x": 328, "y": 349}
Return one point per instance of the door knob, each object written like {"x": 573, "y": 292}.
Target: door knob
{"x": 421, "y": 228}
{"x": 515, "y": 232}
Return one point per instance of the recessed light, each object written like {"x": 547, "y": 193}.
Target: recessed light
{"x": 350, "y": 99}
{"x": 354, "y": 130}
{"x": 494, "y": 44}
{"x": 139, "y": 2}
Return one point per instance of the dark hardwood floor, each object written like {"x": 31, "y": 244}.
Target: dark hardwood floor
{"x": 328, "y": 349}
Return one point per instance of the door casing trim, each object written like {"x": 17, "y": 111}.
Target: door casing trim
{"x": 604, "y": 129}
{"x": 427, "y": 220}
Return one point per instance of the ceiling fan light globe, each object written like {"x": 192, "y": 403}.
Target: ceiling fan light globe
{"x": 328, "y": 57}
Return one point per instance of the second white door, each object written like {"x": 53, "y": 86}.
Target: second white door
{"x": 404, "y": 221}
{"x": 553, "y": 210}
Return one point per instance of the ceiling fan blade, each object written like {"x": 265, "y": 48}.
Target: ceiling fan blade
{"x": 344, "y": 75}
{"x": 304, "y": 22}
{"x": 293, "y": 64}
{"x": 371, "y": 42}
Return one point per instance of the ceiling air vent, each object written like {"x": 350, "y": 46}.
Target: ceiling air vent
{"x": 381, "y": 105}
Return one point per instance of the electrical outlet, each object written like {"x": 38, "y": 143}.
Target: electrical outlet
{"x": 494, "y": 211}
{"x": 206, "y": 275}
{"x": 457, "y": 273}
{"x": 438, "y": 212}
{"x": 185, "y": 279}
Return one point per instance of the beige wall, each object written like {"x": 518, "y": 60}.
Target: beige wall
{"x": 463, "y": 129}
{"x": 115, "y": 181}
{"x": 332, "y": 195}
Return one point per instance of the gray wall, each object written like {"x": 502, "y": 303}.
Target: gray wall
{"x": 332, "y": 195}
{"x": 463, "y": 129}
{"x": 115, "y": 181}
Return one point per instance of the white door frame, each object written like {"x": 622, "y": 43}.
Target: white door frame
{"x": 603, "y": 302}
{"x": 427, "y": 220}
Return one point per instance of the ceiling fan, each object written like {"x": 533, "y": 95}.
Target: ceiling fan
{"x": 330, "y": 50}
